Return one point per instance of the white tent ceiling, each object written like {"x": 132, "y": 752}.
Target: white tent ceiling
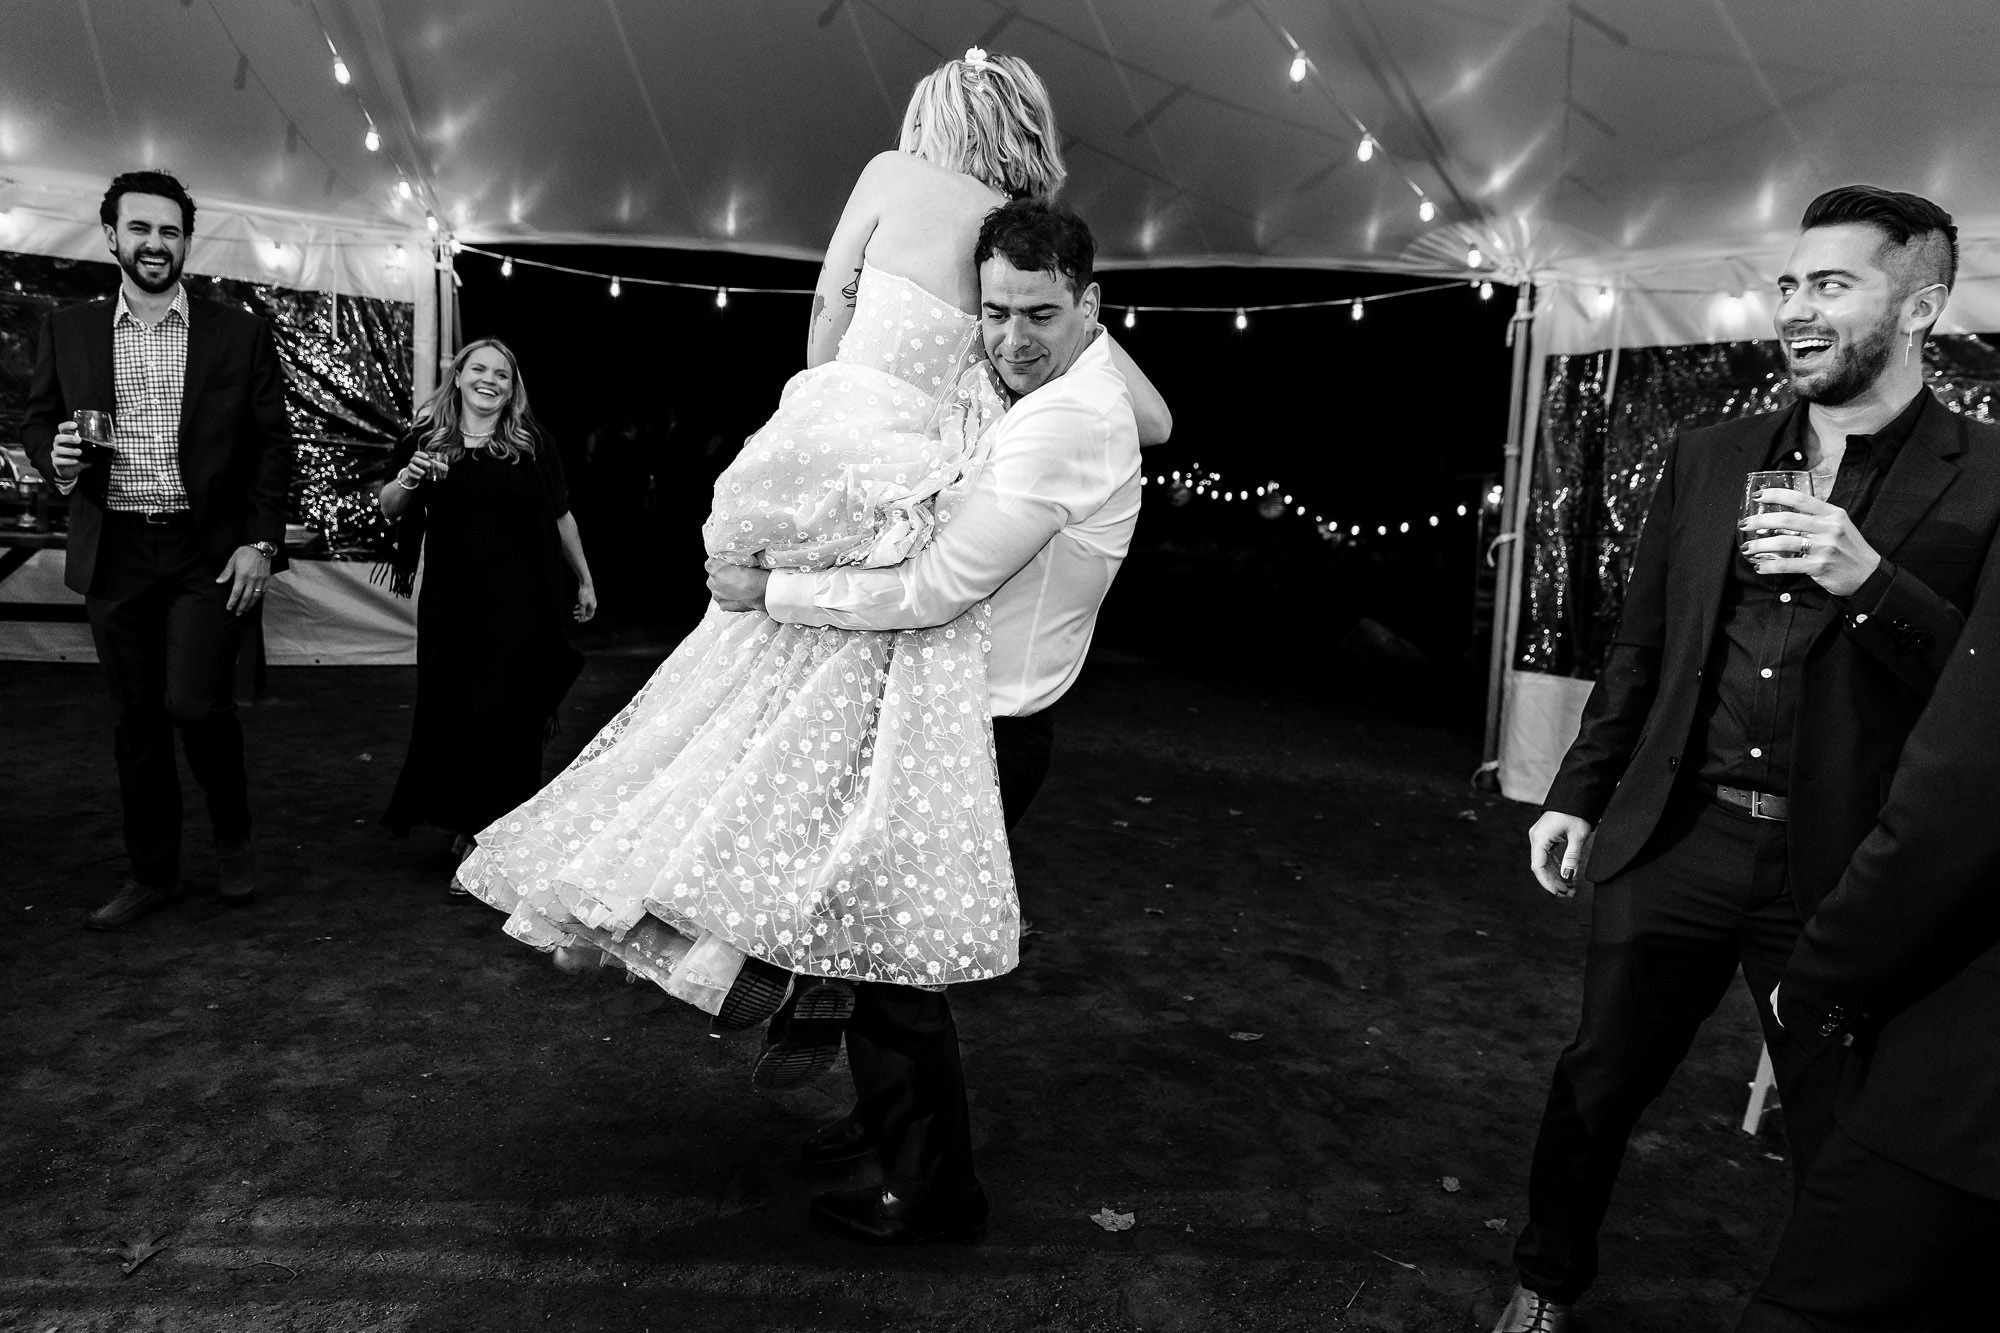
{"x": 1647, "y": 144}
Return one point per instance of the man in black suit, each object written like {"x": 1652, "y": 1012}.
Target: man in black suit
{"x": 1739, "y": 741}
{"x": 174, "y": 531}
{"x": 1897, "y": 1222}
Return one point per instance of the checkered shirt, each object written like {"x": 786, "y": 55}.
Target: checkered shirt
{"x": 150, "y": 367}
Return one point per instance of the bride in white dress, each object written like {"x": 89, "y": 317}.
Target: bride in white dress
{"x": 821, "y": 802}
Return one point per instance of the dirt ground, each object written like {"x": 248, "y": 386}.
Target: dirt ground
{"x": 355, "y": 1105}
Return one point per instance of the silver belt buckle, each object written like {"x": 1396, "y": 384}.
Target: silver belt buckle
{"x": 1757, "y": 809}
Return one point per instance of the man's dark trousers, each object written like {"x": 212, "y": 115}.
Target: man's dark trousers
{"x": 902, "y": 1046}
{"x": 167, "y": 643}
{"x": 1667, "y": 936}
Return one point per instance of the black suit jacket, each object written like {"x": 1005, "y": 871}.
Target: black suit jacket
{"x": 235, "y": 443}
{"x": 1906, "y": 949}
{"x": 1864, "y": 681}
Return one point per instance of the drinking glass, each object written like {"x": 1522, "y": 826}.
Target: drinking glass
{"x": 96, "y": 430}
{"x": 1785, "y": 479}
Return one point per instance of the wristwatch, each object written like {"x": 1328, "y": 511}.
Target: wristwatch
{"x": 265, "y": 549}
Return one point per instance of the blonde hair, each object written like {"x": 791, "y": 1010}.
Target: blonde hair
{"x": 991, "y": 119}
{"x": 513, "y": 438}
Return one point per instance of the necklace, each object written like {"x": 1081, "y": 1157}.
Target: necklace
{"x": 476, "y": 437}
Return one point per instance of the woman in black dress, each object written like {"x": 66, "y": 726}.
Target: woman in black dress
{"x": 479, "y": 489}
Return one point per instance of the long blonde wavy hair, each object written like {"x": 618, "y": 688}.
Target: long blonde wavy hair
{"x": 991, "y": 119}
{"x": 513, "y": 438}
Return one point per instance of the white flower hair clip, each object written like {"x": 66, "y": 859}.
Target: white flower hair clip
{"x": 975, "y": 56}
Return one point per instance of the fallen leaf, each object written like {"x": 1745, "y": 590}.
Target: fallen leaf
{"x": 1469, "y": 816}
{"x": 1235, "y": 812}
{"x": 1451, "y": 1185}
{"x": 1143, "y": 800}
{"x": 365, "y": 757}
{"x": 1156, "y": 911}
{"x": 1496, "y": 1224}
{"x": 1111, "y": 1221}
{"x": 1246, "y": 1036}
{"x": 1121, "y": 823}
{"x": 137, "y": 1251}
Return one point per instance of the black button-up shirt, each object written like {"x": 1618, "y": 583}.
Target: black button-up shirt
{"x": 1750, "y": 686}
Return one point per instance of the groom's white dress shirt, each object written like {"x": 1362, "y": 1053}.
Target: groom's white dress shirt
{"x": 1042, "y": 533}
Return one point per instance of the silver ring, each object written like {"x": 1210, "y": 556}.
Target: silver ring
{"x": 1805, "y": 547}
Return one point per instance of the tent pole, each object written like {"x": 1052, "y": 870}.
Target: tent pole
{"x": 447, "y": 311}
{"x": 1508, "y": 543}
{"x": 424, "y": 341}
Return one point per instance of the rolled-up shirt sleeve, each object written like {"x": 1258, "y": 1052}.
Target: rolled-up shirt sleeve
{"x": 1036, "y": 483}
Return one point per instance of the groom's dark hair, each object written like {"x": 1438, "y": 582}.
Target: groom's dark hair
{"x": 1037, "y": 236}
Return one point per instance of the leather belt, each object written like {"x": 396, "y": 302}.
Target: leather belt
{"x": 158, "y": 518}
{"x": 1759, "y": 804}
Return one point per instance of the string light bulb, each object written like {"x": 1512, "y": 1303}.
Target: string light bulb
{"x": 721, "y": 297}
{"x": 1426, "y": 210}
{"x": 1473, "y": 259}
{"x": 507, "y": 267}
{"x": 1354, "y": 312}
{"x": 615, "y": 288}
{"x": 1485, "y": 291}
{"x": 372, "y": 140}
{"x": 403, "y": 188}
{"x": 340, "y": 74}
{"x": 1242, "y": 320}
{"x": 1461, "y": 511}
{"x": 1366, "y": 148}
{"x": 431, "y": 222}
{"x": 1131, "y": 317}
{"x": 1299, "y": 67}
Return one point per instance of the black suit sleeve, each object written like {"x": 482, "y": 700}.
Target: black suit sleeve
{"x": 1910, "y": 628}
{"x": 1921, "y": 898}
{"x": 45, "y": 409}
{"x": 1615, "y": 715}
{"x": 268, "y": 435}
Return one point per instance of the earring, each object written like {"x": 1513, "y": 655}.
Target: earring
{"x": 1909, "y": 346}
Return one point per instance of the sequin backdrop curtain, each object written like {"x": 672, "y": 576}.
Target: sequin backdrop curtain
{"x": 1596, "y": 462}
{"x": 347, "y": 381}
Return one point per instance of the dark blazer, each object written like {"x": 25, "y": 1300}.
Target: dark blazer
{"x": 1864, "y": 681}
{"x": 235, "y": 442}
{"x": 1906, "y": 949}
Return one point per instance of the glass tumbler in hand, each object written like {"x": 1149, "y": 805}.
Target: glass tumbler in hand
{"x": 96, "y": 431}
{"x": 1787, "y": 479}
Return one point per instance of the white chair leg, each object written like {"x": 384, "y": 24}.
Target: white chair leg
{"x": 1760, "y": 1092}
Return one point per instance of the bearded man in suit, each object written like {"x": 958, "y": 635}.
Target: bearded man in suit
{"x": 173, "y": 530}
{"x": 1740, "y": 739}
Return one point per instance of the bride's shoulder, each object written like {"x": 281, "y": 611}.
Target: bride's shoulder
{"x": 905, "y": 174}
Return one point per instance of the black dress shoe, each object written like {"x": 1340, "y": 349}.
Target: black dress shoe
{"x": 877, "y": 1217}
{"x": 236, "y": 868}
{"x": 845, "y": 1140}
{"x": 133, "y": 901}
{"x": 758, "y": 991}
{"x": 805, "y": 1034}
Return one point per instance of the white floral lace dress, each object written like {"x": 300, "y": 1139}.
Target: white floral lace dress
{"x": 823, "y": 799}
